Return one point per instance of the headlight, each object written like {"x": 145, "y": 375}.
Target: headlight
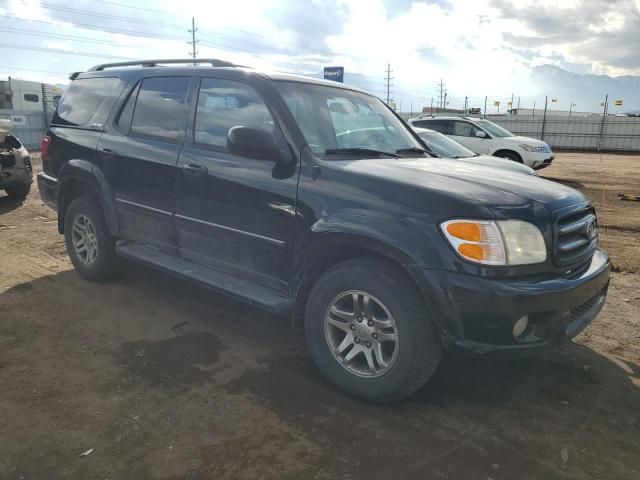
{"x": 528, "y": 148}
{"x": 499, "y": 242}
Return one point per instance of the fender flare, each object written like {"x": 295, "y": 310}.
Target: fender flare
{"x": 91, "y": 174}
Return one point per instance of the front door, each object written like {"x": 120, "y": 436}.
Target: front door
{"x": 465, "y": 133}
{"x": 140, "y": 156}
{"x": 234, "y": 213}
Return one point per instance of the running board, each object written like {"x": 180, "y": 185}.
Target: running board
{"x": 238, "y": 288}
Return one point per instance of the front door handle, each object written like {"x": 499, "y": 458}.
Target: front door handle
{"x": 192, "y": 169}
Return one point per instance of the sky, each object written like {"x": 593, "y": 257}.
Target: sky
{"x": 477, "y": 47}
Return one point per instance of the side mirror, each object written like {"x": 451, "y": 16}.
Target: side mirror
{"x": 481, "y": 134}
{"x": 253, "y": 143}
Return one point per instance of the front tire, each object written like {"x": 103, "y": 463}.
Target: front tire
{"x": 20, "y": 192}
{"x": 369, "y": 330}
{"x": 90, "y": 246}
{"x": 509, "y": 155}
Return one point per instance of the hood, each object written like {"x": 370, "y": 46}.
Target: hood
{"x": 526, "y": 140}
{"x": 500, "y": 163}
{"x": 468, "y": 182}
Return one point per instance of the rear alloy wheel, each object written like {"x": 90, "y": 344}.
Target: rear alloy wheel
{"x": 369, "y": 330}
{"x": 90, "y": 246}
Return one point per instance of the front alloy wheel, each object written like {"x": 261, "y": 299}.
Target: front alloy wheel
{"x": 361, "y": 334}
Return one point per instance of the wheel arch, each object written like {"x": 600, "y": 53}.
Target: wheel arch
{"x": 500, "y": 151}
{"x": 80, "y": 177}
{"x": 331, "y": 248}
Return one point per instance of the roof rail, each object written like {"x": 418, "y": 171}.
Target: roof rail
{"x": 214, "y": 62}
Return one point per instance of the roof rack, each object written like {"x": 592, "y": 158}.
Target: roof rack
{"x": 214, "y": 62}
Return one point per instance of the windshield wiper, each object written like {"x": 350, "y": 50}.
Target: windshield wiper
{"x": 412, "y": 150}
{"x": 366, "y": 151}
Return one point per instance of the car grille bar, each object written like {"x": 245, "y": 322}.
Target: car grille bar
{"x": 576, "y": 237}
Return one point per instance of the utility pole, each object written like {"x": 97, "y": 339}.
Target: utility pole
{"x": 444, "y": 105}
{"x": 432, "y": 106}
{"x": 441, "y": 86}
{"x": 411, "y": 108}
{"x": 465, "y": 104}
{"x": 544, "y": 116}
{"x": 534, "y": 108}
{"x": 511, "y": 104}
{"x": 389, "y": 84}
{"x": 570, "y": 108}
{"x": 193, "y": 41}
{"x": 484, "y": 112}
{"x": 604, "y": 115}
{"x": 518, "y": 103}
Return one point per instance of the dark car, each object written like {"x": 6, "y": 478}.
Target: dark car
{"x": 314, "y": 200}
{"x": 16, "y": 173}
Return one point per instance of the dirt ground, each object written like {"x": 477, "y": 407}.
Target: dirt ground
{"x": 160, "y": 379}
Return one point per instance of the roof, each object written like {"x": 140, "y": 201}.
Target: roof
{"x": 210, "y": 64}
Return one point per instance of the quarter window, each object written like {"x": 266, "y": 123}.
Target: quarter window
{"x": 224, "y": 104}
{"x": 31, "y": 97}
{"x": 84, "y": 98}
{"x": 160, "y": 107}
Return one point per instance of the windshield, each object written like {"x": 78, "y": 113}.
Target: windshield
{"x": 334, "y": 119}
{"x": 493, "y": 129}
{"x": 443, "y": 146}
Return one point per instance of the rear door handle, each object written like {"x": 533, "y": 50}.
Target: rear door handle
{"x": 106, "y": 151}
{"x": 192, "y": 169}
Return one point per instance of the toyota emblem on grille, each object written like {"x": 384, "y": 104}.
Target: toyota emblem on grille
{"x": 591, "y": 230}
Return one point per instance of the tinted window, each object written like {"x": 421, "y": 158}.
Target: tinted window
{"x": 441, "y": 126}
{"x": 160, "y": 107}
{"x": 224, "y": 104}
{"x": 463, "y": 129}
{"x": 126, "y": 114}
{"x": 84, "y": 98}
{"x": 31, "y": 97}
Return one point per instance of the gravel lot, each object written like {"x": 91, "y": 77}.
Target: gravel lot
{"x": 165, "y": 380}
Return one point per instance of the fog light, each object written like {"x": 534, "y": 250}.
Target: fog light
{"x": 520, "y": 326}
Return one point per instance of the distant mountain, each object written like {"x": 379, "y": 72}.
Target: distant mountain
{"x": 587, "y": 91}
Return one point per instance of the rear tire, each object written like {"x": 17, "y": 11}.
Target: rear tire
{"x": 406, "y": 364}
{"x": 90, "y": 246}
{"x": 20, "y": 192}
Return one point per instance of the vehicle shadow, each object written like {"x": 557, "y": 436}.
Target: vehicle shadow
{"x": 7, "y": 203}
{"x": 474, "y": 419}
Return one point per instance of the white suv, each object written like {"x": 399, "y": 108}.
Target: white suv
{"x": 486, "y": 138}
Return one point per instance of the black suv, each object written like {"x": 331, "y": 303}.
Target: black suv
{"x": 314, "y": 200}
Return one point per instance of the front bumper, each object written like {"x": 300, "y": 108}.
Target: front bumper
{"x": 48, "y": 187}
{"x": 476, "y": 315}
{"x": 538, "y": 160}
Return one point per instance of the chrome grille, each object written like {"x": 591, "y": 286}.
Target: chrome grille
{"x": 576, "y": 237}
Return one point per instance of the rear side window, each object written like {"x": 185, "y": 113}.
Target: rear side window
{"x": 31, "y": 97}
{"x": 224, "y": 104}
{"x": 84, "y": 99}
{"x": 441, "y": 126}
{"x": 160, "y": 108}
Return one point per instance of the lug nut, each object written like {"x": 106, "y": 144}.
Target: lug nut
{"x": 368, "y": 344}
{"x": 360, "y": 319}
{"x": 374, "y": 335}
{"x": 357, "y": 340}
{"x": 353, "y": 327}
{"x": 370, "y": 323}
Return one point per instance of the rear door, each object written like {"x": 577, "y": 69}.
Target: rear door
{"x": 234, "y": 213}
{"x": 140, "y": 156}
{"x": 465, "y": 133}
